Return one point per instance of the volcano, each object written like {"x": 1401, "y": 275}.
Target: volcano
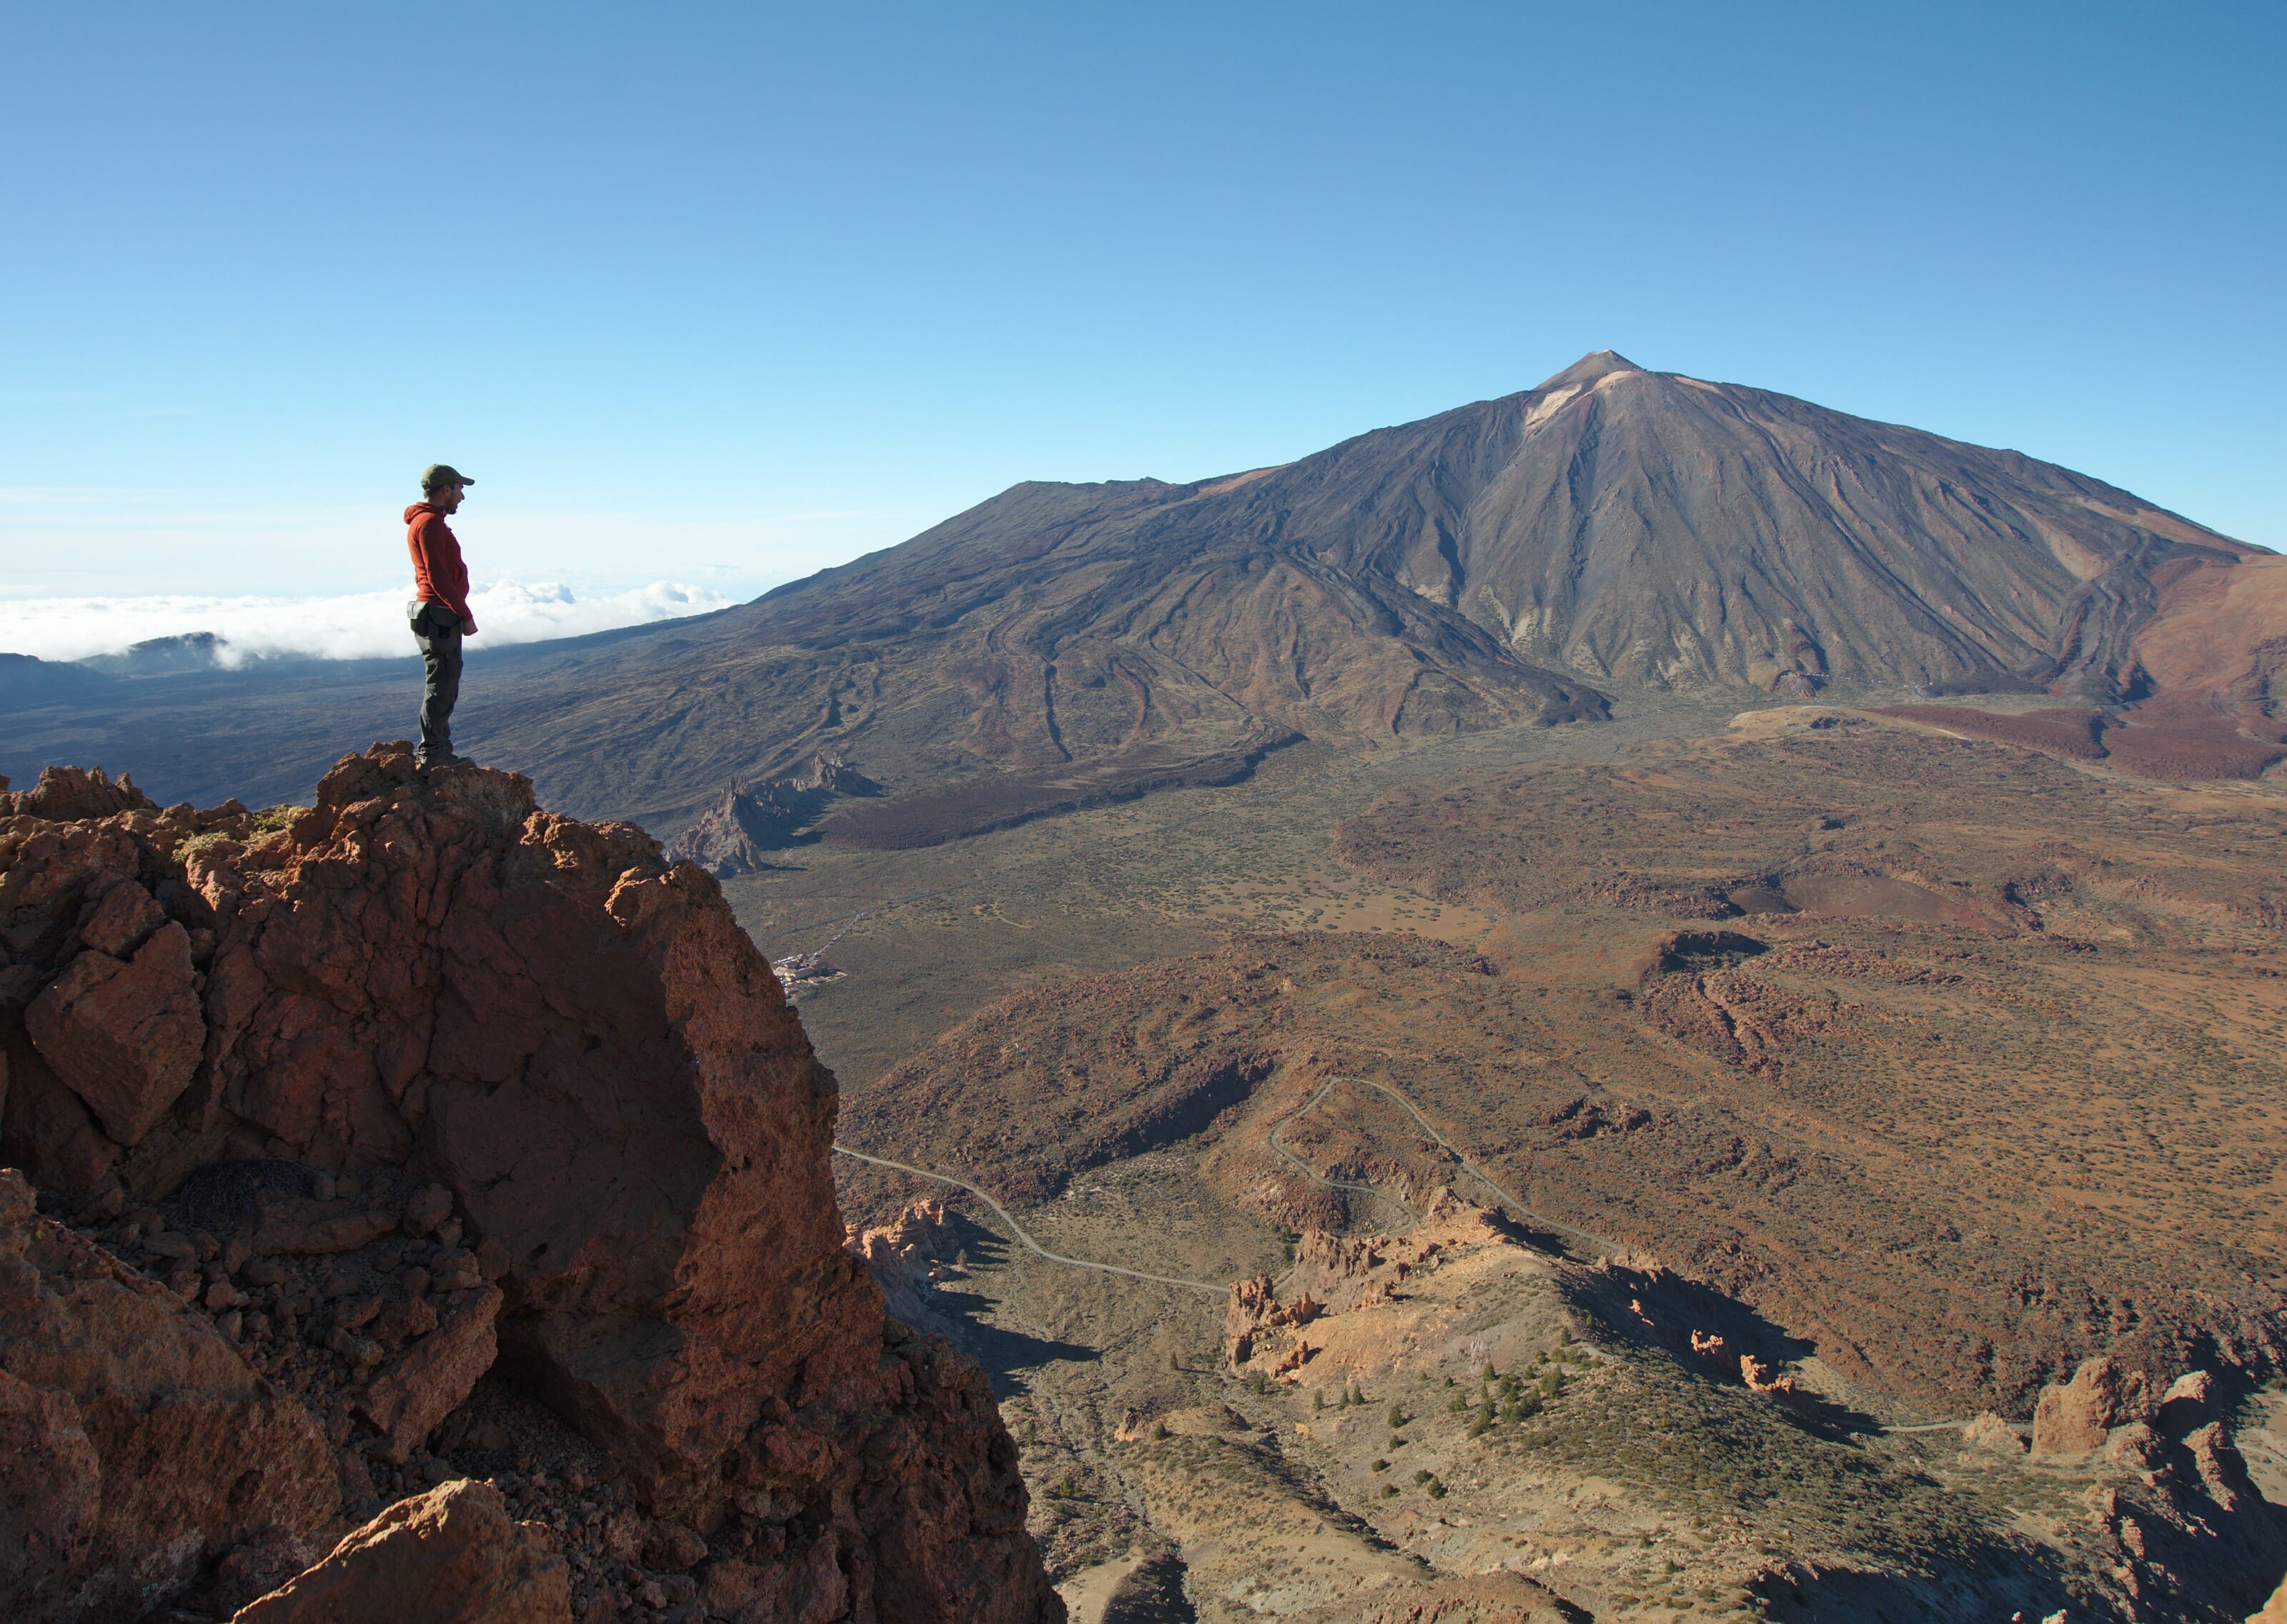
{"x": 1511, "y": 562}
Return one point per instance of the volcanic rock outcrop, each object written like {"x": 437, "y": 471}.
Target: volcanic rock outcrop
{"x": 1341, "y": 1274}
{"x": 904, "y": 1257}
{"x": 734, "y": 835}
{"x": 138, "y": 1441}
{"x": 453, "y": 1553}
{"x": 423, "y": 1071}
{"x": 2079, "y": 1414}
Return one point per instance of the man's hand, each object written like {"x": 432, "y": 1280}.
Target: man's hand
{"x": 468, "y": 627}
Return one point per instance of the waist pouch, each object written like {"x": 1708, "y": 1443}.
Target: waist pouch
{"x": 426, "y": 617}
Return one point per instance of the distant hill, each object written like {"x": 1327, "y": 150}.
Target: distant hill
{"x": 1507, "y": 561}
{"x": 25, "y": 680}
{"x": 176, "y": 656}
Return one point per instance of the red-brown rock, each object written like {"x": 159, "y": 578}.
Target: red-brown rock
{"x": 571, "y": 1038}
{"x": 1339, "y": 1271}
{"x": 2074, "y": 1418}
{"x": 118, "y": 919}
{"x": 898, "y": 1255}
{"x": 2189, "y": 1401}
{"x": 124, "y": 1037}
{"x": 138, "y": 1443}
{"x": 452, "y": 1556}
{"x": 407, "y": 1399}
{"x": 52, "y": 1493}
{"x": 670, "y": 1548}
{"x": 1254, "y": 1309}
{"x": 2222, "y": 1470}
{"x": 428, "y": 1210}
{"x": 74, "y": 792}
{"x": 314, "y": 1227}
{"x": 1989, "y": 1432}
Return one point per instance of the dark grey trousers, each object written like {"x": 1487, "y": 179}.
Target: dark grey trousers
{"x": 437, "y": 635}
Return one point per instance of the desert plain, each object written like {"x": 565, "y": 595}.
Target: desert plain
{"x": 1913, "y": 1066}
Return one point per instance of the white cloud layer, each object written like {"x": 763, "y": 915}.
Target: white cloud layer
{"x": 359, "y": 626}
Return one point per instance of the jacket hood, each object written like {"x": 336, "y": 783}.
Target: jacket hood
{"x": 417, "y": 508}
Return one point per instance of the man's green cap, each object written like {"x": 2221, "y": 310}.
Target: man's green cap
{"x": 442, "y": 473}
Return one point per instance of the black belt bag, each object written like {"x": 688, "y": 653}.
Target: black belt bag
{"x": 428, "y": 618}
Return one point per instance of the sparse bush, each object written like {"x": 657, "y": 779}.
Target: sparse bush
{"x": 1381, "y": 1466}
{"x": 1397, "y": 1416}
{"x": 1159, "y": 1432}
{"x": 197, "y": 843}
{"x": 1424, "y": 1476}
{"x": 1435, "y": 1490}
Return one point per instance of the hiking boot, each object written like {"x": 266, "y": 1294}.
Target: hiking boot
{"x": 446, "y": 759}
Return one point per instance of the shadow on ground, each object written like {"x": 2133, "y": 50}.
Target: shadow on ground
{"x": 1005, "y": 1354}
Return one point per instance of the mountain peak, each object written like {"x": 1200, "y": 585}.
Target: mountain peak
{"x": 1597, "y": 363}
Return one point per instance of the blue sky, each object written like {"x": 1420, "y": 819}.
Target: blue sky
{"x": 722, "y": 294}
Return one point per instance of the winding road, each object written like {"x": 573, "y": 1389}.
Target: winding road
{"x": 1468, "y": 1166}
{"x": 1017, "y": 1229}
{"x": 1312, "y": 1173}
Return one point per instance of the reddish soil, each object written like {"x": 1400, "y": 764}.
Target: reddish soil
{"x": 2077, "y": 733}
{"x": 2186, "y": 739}
{"x": 1974, "y": 1085}
{"x": 2175, "y": 738}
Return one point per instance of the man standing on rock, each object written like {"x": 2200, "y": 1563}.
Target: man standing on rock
{"x": 439, "y": 609}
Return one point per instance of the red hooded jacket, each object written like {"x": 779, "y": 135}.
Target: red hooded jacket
{"x": 439, "y": 575}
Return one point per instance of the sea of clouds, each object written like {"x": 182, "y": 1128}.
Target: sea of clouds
{"x": 359, "y": 626}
